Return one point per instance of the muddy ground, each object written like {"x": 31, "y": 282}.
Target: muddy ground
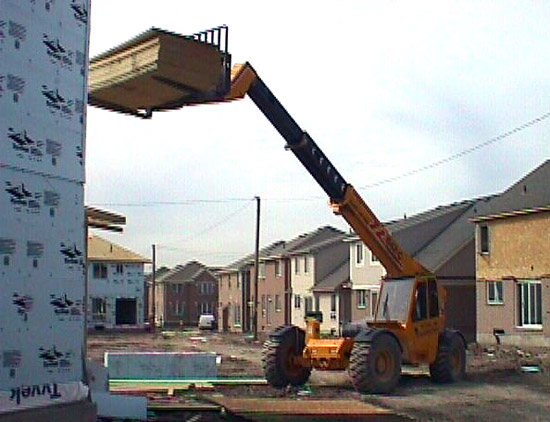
{"x": 503, "y": 383}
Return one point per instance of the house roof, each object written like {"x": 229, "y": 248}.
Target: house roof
{"x": 188, "y": 273}
{"x": 435, "y": 236}
{"x": 335, "y": 279}
{"x": 305, "y": 243}
{"x": 100, "y": 249}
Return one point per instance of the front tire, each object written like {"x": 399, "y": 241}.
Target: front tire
{"x": 281, "y": 357}
{"x": 375, "y": 366}
{"x": 450, "y": 363}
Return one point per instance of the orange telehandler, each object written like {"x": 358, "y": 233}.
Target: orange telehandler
{"x": 409, "y": 320}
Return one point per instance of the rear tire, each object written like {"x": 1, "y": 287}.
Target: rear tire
{"x": 450, "y": 363}
{"x": 375, "y": 366}
{"x": 279, "y": 358}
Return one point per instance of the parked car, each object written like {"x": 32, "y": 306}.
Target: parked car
{"x": 207, "y": 322}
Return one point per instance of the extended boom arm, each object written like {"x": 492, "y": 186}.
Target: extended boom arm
{"x": 344, "y": 198}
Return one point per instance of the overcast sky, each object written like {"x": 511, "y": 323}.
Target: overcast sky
{"x": 384, "y": 87}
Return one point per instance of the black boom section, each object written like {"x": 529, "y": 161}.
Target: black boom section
{"x": 305, "y": 148}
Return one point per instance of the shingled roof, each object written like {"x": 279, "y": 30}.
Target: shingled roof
{"x": 433, "y": 237}
{"x": 187, "y": 273}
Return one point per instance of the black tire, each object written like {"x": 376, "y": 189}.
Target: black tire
{"x": 450, "y": 363}
{"x": 279, "y": 358}
{"x": 375, "y": 366}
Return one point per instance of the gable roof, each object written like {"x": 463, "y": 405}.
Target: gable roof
{"x": 100, "y": 249}
{"x": 435, "y": 236}
{"x": 188, "y": 273}
{"x": 305, "y": 243}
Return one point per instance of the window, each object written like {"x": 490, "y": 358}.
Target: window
{"x": 100, "y": 271}
{"x": 99, "y": 308}
{"x": 433, "y": 299}
{"x": 296, "y": 266}
{"x": 237, "y": 314}
{"x": 530, "y": 304}
{"x": 420, "y": 303}
{"x": 359, "y": 254}
{"x": 6, "y": 260}
{"x": 178, "y": 308}
{"x": 361, "y": 296}
{"x": 119, "y": 269}
{"x": 374, "y": 259}
{"x": 261, "y": 271}
{"x": 484, "y": 239}
{"x": 278, "y": 271}
{"x": 333, "y": 307}
{"x": 268, "y": 312}
{"x": 277, "y": 303}
{"x": 206, "y": 308}
{"x": 308, "y": 304}
{"x": 297, "y": 301}
{"x": 306, "y": 264}
{"x": 317, "y": 303}
{"x": 495, "y": 293}
{"x": 374, "y": 301}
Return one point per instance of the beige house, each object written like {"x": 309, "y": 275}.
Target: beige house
{"x": 116, "y": 292}
{"x": 513, "y": 277}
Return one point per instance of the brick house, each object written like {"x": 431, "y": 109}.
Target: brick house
{"x": 236, "y": 291}
{"x": 184, "y": 293}
{"x": 116, "y": 294}
{"x": 287, "y": 273}
{"x": 513, "y": 277}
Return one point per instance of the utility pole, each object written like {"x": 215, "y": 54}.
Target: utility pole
{"x": 256, "y": 267}
{"x": 153, "y": 291}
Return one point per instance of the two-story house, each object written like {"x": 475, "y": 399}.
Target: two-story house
{"x": 513, "y": 277}
{"x": 115, "y": 285}
{"x": 184, "y": 293}
{"x": 315, "y": 258}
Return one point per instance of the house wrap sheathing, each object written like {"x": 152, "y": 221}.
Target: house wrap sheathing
{"x": 43, "y": 80}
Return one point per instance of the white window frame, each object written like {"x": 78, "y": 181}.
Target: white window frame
{"x": 306, "y": 264}
{"x": 278, "y": 266}
{"x": 525, "y": 296}
{"x": 296, "y": 265}
{"x": 496, "y": 293}
{"x": 359, "y": 254}
{"x": 374, "y": 259}
{"x": 361, "y": 298}
{"x": 297, "y": 301}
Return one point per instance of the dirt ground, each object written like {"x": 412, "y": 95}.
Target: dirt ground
{"x": 502, "y": 384}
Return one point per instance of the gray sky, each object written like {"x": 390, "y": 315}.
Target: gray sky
{"x": 385, "y": 88}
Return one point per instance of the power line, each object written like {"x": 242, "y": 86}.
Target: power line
{"x": 460, "y": 154}
{"x": 162, "y": 203}
{"x": 214, "y": 225}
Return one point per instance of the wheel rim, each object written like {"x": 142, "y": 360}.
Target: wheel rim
{"x": 384, "y": 365}
{"x": 292, "y": 366}
{"x": 456, "y": 361}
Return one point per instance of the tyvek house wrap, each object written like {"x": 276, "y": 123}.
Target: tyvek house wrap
{"x": 43, "y": 79}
